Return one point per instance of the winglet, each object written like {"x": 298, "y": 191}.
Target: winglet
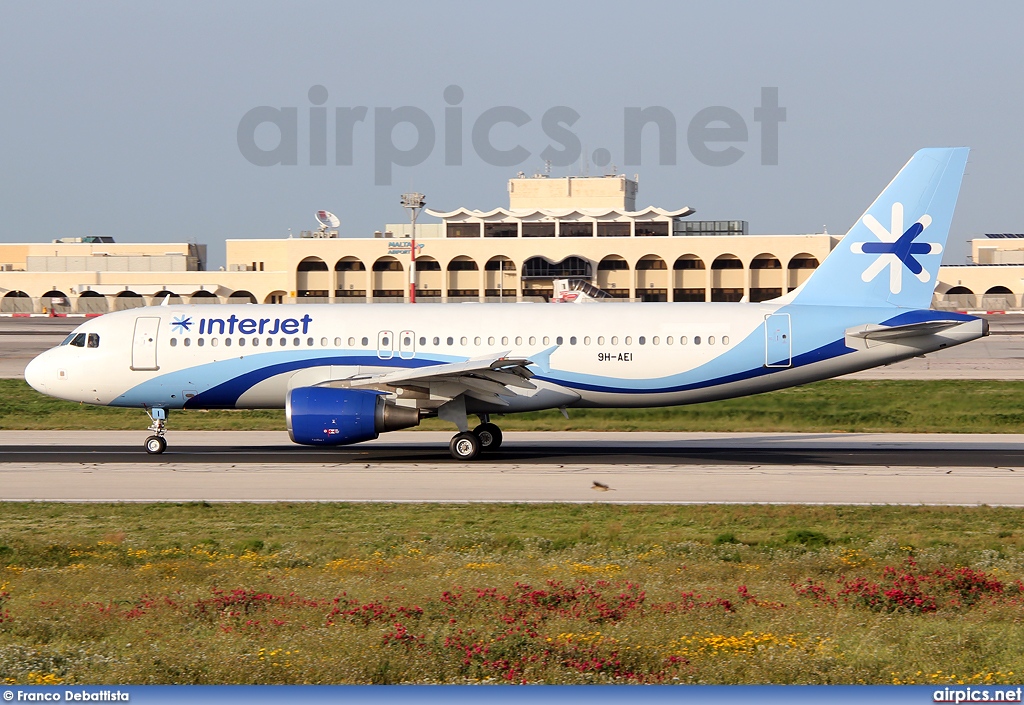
{"x": 542, "y": 359}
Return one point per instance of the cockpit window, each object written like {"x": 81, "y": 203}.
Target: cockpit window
{"x": 68, "y": 339}
{"x": 94, "y": 340}
{"x": 79, "y": 340}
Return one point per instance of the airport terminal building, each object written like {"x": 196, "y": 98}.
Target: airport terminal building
{"x": 583, "y": 228}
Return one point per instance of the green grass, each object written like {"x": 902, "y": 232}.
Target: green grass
{"x": 378, "y": 593}
{"x": 945, "y": 406}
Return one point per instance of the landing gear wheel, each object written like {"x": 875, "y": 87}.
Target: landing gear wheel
{"x": 464, "y": 446}
{"x": 155, "y": 445}
{"x": 489, "y": 435}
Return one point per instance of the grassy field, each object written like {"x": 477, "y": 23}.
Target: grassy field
{"x": 381, "y": 593}
{"x": 945, "y": 406}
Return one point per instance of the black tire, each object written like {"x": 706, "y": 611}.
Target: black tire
{"x": 489, "y": 435}
{"x": 464, "y": 446}
{"x": 155, "y": 445}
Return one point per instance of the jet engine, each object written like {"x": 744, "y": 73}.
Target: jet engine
{"x": 333, "y": 416}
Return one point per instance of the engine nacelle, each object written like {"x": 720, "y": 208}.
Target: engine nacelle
{"x": 336, "y": 416}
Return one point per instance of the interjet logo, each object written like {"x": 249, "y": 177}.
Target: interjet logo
{"x": 181, "y": 324}
{"x": 896, "y": 250}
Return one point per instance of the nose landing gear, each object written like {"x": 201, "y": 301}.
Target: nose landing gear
{"x": 156, "y": 443}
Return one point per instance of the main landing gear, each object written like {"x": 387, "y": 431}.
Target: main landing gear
{"x": 469, "y": 444}
{"x": 156, "y": 443}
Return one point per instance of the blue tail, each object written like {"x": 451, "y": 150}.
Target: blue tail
{"x": 891, "y": 255}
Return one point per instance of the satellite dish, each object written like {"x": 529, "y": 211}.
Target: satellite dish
{"x": 327, "y": 220}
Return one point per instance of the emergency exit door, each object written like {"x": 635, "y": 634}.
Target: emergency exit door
{"x": 144, "y": 343}
{"x": 778, "y": 341}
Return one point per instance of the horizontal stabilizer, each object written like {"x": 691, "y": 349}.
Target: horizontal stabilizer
{"x": 910, "y": 330}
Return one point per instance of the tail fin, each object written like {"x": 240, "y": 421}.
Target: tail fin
{"x": 891, "y": 255}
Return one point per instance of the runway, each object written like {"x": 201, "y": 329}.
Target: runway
{"x": 530, "y": 467}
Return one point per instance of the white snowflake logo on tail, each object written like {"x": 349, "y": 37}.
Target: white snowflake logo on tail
{"x": 896, "y": 248}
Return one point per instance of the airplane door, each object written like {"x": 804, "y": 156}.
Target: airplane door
{"x": 778, "y": 341}
{"x": 144, "y": 343}
{"x": 407, "y": 345}
{"x": 385, "y": 345}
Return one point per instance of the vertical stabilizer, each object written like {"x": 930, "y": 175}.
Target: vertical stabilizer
{"x": 891, "y": 256}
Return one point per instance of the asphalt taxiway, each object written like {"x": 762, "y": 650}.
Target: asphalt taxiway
{"x": 530, "y": 467}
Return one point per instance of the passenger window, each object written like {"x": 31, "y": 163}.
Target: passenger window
{"x": 407, "y": 341}
{"x": 174, "y": 342}
{"x": 615, "y": 340}
{"x": 255, "y": 342}
{"x": 600, "y": 340}
{"x": 241, "y": 342}
{"x": 533, "y": 340}
{"x": 504, "y": 340}
{"x": 682, "y": 340}
{"x": 476, "y": 340}
{"x": 668, "y": 340}
{"x": 214, "y": 342}
{"x": 558, "y": 340}
{"x": 437, "y": 341}
{"x": 547, "y": 340}
{"x": 696, "y": 340}
{"x": 201, "y": 342}
{"x": 629, "y": 340}
{"x": 296, "y": 342}
{"x": 351, "y": 342}
{"x": 423, "y": 341}
{"x": 725, "y": 340}
{"x": 227, "y": 342}
{"x": 366, "y": 341}
{"x": 79, "y": 340}
{"x": 94, "y": 340}
{"x": 188, "y": 342}
{"x": 490, "y": 340}
{"x": 711, "y": 340}
{"x": 337, "y": 342}
{"x": 323, "y": 342}
{"x": 309, "y": 342}
{"x": 284, "y": 342}
{"x": 385, "y": 341}
{"x": 586, "y": 340}
{"x": 642, "y": 340}
{"x": 655, "y": 340}
{"x": 572, "y": 340}
{"x": 519, "y": 340}
{"x": 451, "y": 340}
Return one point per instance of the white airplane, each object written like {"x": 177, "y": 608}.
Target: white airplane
{"x": 345, "y": 374}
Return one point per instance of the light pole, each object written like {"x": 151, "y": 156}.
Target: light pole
{"x": 414, "y": 202}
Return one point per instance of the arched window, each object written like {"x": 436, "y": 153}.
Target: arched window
{"x": 312, "y": 264}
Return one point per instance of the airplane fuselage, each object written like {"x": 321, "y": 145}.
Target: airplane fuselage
{"x": 592, "y": 355}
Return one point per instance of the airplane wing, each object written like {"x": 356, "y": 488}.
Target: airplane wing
{"x": 487, "y": 378}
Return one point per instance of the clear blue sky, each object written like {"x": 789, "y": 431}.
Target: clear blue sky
{"x": 122, "y": 118}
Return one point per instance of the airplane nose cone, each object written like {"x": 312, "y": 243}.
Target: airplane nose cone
{"x": 35, "y": 374}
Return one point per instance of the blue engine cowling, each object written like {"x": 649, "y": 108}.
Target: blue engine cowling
{"x": 334, "y": 416}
